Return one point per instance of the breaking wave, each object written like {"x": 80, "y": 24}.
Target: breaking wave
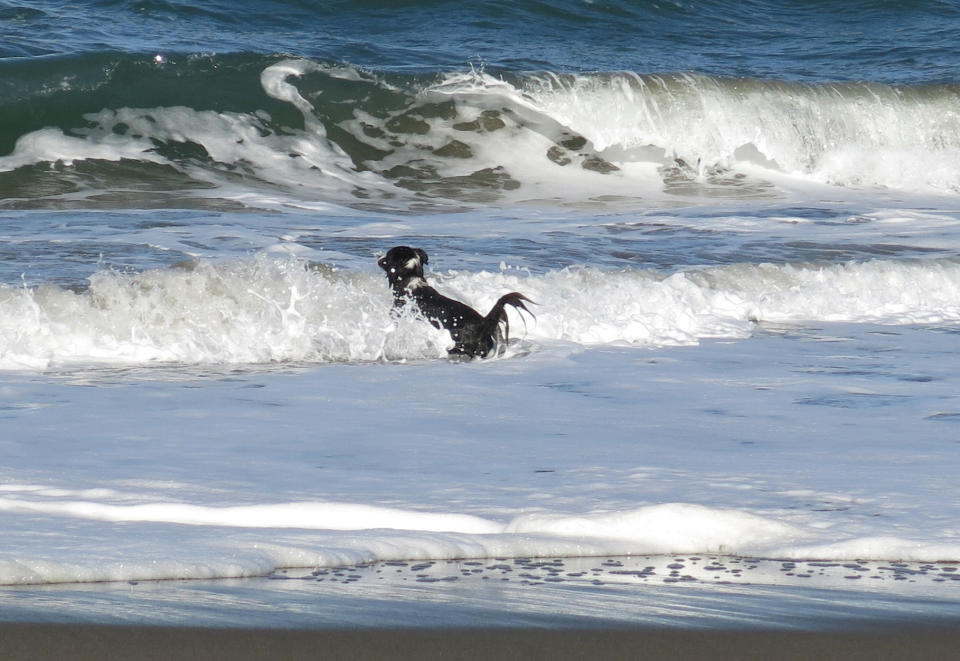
{"x": 100, "y": 130}
{"x": 281, "y": 310}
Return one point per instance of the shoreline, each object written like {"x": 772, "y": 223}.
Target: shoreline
{"x": 651, "y": 607}
{"x": 691, "y": 593}
{"x": 80, "y": 642}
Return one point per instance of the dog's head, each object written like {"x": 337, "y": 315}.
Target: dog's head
{"x": 404, "y": 266}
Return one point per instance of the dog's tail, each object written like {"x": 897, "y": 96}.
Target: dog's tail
{"x": 498, "y": 316}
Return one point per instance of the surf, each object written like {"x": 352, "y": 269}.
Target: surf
{"x": 269, "y": 131}
{"x": 274, "y": 310}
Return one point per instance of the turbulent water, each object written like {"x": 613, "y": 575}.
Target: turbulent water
{"x": 213, "y": 130}
{"x": 740, "y": 225}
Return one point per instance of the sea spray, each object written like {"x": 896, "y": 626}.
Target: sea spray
{"x": 275, "y": 309}
{"x": 254, "y": 311}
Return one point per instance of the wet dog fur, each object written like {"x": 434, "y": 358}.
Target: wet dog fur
{"x": 474, "y": 335}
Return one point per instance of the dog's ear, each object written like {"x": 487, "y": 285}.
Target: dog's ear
{"x": 422, "y": 254}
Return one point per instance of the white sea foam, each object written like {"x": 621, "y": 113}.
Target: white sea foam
{"x": 275, "y": 309}
{"x": 255, "y": 311}
{"x": 845, "y": 134}
{"x": 325, "y": 516}
{"x": 669, "y": 528}
{"x": 50, "y": 145}
{"x": 385, "y": 534}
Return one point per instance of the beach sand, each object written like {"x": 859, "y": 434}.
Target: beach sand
{"x": 85, "y": 642}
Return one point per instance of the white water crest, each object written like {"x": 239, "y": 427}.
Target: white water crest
{"x": 281, "y": 310}
{"x": 224, "y": 542}
{"x": 846, "y": 134}
{"x": 252, "y": 311}
{"x": 470, "y": 138}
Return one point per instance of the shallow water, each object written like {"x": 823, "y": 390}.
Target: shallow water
{"x": 741, "y": 238}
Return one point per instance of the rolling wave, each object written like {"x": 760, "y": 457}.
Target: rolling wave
{"x": 253, "y": 130}
{"x": 272, "y": 310}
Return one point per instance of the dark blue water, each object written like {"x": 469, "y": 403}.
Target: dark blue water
{"x": 876, "y": 40}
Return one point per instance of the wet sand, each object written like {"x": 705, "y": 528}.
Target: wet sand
{"x": 662, "y": 607}
{"x": 85, "y": 642}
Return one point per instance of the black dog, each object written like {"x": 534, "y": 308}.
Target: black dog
{"x": 474, "y": 336}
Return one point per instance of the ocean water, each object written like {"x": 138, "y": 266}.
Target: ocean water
{"x": 740, "y": 226}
